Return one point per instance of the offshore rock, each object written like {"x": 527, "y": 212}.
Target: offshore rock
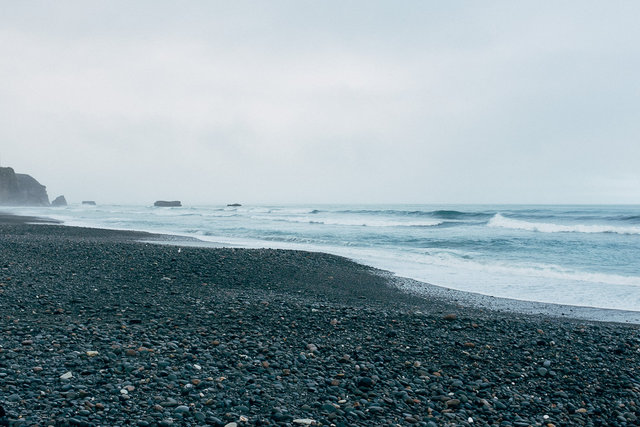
{"x": 59, "y": 201}
{"x": 21, "y": 190}
{"x": 89, "y": 202}
{"x": 167, "y": 204}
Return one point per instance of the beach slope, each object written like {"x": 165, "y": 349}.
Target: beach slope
{"x": 99, "y": 327}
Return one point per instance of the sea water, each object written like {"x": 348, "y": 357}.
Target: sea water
{"x": 577, "y": 255}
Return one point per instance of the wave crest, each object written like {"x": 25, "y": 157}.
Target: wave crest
{"x": 543, "y": 227}
{"x": 355, "y": 222}
{"x": 439, "y": 214}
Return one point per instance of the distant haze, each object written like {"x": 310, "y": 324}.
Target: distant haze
{"x": 323, "y": 101}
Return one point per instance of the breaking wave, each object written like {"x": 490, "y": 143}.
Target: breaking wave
{"x": 543, "y": 227}
{"x": 440, "y": 214}
{"x": 355, "y": 222}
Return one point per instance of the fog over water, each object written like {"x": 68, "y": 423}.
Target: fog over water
{"x": 323, "y": 102}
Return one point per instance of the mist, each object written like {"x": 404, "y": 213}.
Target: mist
{"x": 331, "y": 102}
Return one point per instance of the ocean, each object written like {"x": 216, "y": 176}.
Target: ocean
{"x": 576, "y": 255}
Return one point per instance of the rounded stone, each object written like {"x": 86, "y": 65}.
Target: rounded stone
{"x": 182, "y": 409}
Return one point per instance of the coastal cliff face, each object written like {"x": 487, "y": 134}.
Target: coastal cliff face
{"x": 8, "y": 184}
{"x": 21, "y": 189}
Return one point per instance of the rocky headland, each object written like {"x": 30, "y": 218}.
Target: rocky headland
{"x": 17, "y": 189}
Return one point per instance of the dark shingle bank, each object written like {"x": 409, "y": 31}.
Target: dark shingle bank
{"x": 99, "y": 329}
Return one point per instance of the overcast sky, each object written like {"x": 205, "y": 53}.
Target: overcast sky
{"x": 323, "y": 101}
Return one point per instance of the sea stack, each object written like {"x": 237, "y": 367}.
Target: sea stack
{"x": 59, "y": 201}
{"x": 19, "y": 189}
{"x": 167, "y": 204}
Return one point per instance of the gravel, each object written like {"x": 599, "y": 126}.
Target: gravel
{"x": 100, "y": 329}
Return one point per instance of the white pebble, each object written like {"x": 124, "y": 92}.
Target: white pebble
{"x": 66, "y": 376}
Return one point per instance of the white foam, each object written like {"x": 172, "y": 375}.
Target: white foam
{"x": 356, "y": 222}
{"x": 533, "y": 282}
{"x": 500, "y": 221}
{"x": 531, "y": 271}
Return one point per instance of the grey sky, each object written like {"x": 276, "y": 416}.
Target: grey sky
{"x": 322, "y": 101}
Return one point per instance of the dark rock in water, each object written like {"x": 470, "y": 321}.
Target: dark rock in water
{"x": 167, "y": 204}
{"x": 59, "y": 201}
{"x": 89, "y": 202}
{"x": 21, "y": 189}
{"x": 234, "y": 205}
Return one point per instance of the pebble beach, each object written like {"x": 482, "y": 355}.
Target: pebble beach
{"x": 109, "y": 328}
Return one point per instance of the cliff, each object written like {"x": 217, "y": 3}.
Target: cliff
{"x": 17, "y": 189}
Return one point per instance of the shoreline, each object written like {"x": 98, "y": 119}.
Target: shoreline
{"x": 509, "y": 305}
{"x": 416, "y": 288}
{"x": 425, "y": 290}
{"x": 98, "y": 328}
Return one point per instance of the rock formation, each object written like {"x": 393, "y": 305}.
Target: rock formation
{"x": 89, "y": 202}
{"x": 234, "y": 205}
{"x": 59, "y": 201}
{"x": 19, "y": 189}
{"x": 167, "y": 204}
